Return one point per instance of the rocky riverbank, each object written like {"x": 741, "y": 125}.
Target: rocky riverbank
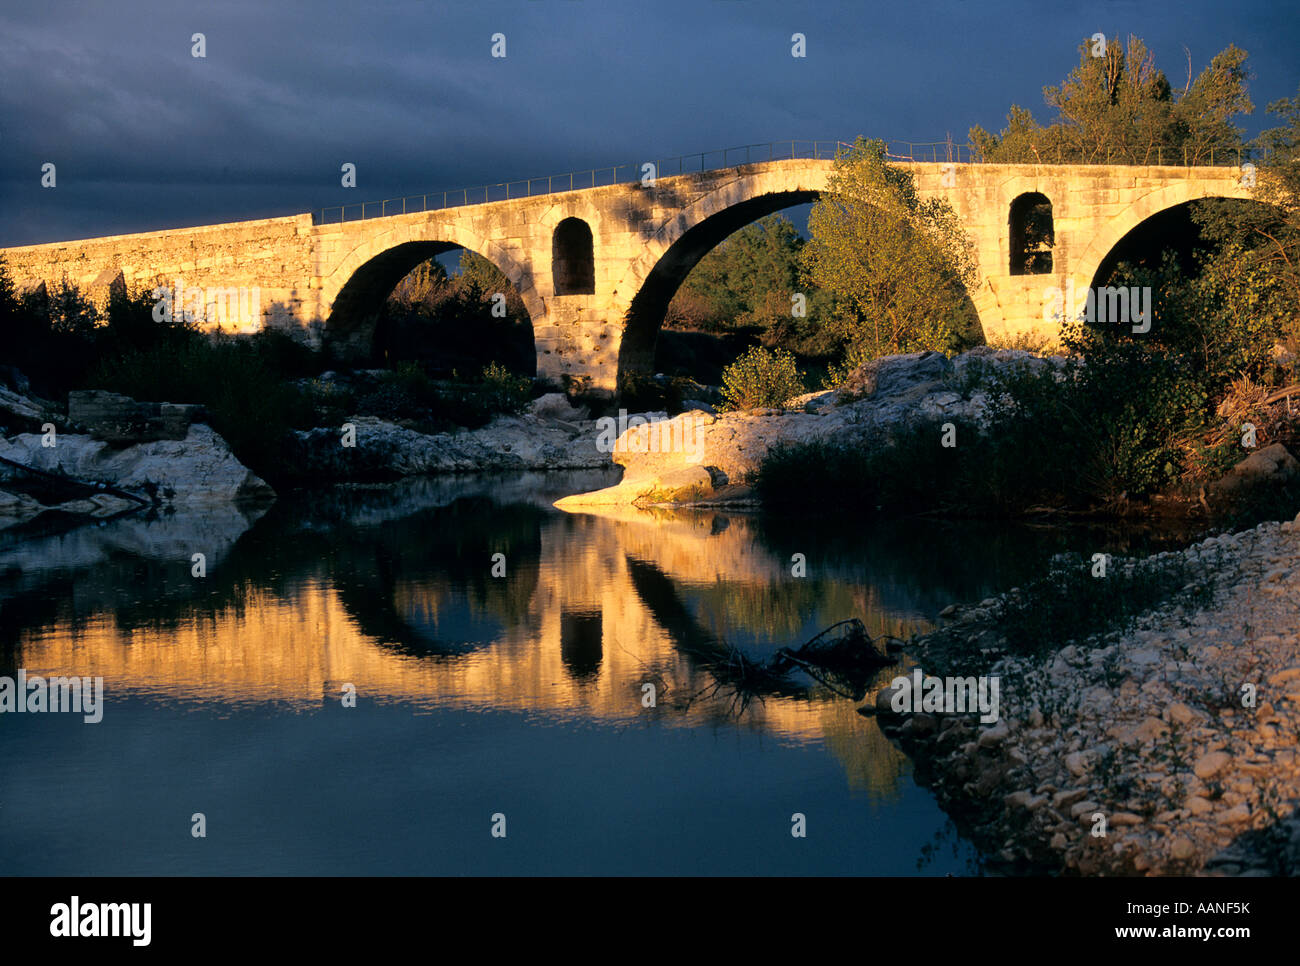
{"x": 551, "y": 435}
{"x": 702, "y": 459}
{"x": 108, "y": 454}
{"x": 111, "y": 455}
{"x": 1168, "y": 747}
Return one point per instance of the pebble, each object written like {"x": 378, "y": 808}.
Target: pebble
{"x": 1236, "y": 816}
{"x": 1207, "y": 766}
{"x": 1182, "y": 849}
{"x": 994, "y": 736}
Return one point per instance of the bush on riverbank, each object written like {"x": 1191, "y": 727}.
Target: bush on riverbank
{"x": 1075, "y": 595}
{"x": 1084, "y": 434}
{"x": 761, "y": 377}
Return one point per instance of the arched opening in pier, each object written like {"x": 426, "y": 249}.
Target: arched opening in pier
{"x": 573, "y": 260}
{"x": 1032, "y": 234}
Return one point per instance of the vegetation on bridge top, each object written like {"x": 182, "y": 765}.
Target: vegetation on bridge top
{"x": 1117, "y": 107}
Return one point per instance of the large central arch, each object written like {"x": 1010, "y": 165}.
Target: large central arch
{"x": 663, "y": 274}
{"x": 648, "y": 285}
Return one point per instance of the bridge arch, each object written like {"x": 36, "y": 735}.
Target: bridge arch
{"x": 1083, "y": 268}
{"x": 357, "y": 288}
{"x": 674, "y": 249}
{"x": 649, "y": 283}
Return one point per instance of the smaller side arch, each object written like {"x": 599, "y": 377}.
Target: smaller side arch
{"x": 1082, "y": 267}
{"x": 364, "y": 277}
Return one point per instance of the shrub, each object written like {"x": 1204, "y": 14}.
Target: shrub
{"x": 906, "y": 469}
{"x": 403, "y": 393}
{"x": 408, "y": 393}
{"x": 505, "y": 392}
{"x": 330, "y": 403}
{"x": 1134, "y": 408}
{"x": 1070, "y": 602}
{"x": 761, "y": 377}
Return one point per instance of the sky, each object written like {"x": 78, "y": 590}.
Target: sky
{"x": 146, "y": 136}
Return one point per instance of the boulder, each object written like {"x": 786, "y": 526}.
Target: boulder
{"x": 686, "y": 485}
{"x": 1273, "y": 462}
{"x": 816, "y": 402}
{"x": 698, "y": 405}
{"x": 385, "y": 450}
{"x": 195, "y": 471}
{"x": 18, "y": 410}
{"x": 12, "y": 378}
{"x": 556, "y": 405}
{"x": 986, "y": 362}
{"x": 892, "y": 375}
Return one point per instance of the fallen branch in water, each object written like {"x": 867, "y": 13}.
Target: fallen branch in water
{"x": 842, "y": 656}
{"x": 71, "y": 481}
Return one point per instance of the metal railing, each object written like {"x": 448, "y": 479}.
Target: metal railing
{"x": 946, "y": 151}
{"x": 577, "y": 180}
{"x": 1160, "y": 155}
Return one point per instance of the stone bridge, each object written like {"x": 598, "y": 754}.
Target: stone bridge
{"x": 597, "y": 267}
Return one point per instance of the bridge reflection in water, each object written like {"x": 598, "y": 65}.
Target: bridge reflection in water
{"x": 391, "y": 590}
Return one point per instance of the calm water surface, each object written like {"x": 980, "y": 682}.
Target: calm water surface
{"x": 476, "y": 695}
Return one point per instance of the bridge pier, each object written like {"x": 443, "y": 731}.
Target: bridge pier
{"x": 578, "y": 344}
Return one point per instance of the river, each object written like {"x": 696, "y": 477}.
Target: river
{"x": 563, "y": 705}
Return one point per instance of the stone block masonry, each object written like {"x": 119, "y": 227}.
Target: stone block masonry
{"x": 115, "y": 418}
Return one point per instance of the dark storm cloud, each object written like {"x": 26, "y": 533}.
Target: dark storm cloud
{"x": 146, "y": 136}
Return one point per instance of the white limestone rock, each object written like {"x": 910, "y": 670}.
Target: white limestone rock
{"x": 195, "y": 471}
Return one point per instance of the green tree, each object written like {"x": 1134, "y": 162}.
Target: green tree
{"x": 1120, "y": 108}
{"x": 735, "y": 278}
{"x": 130, "y": 323}
{"x": 72, "y": 313}
{"x": 1277, "y": 242}
{"x": 468, "y": 293}
{"x": 896, "y": 269}
{"x": 422, "y": 284}
{"x": 8, "y": 294}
